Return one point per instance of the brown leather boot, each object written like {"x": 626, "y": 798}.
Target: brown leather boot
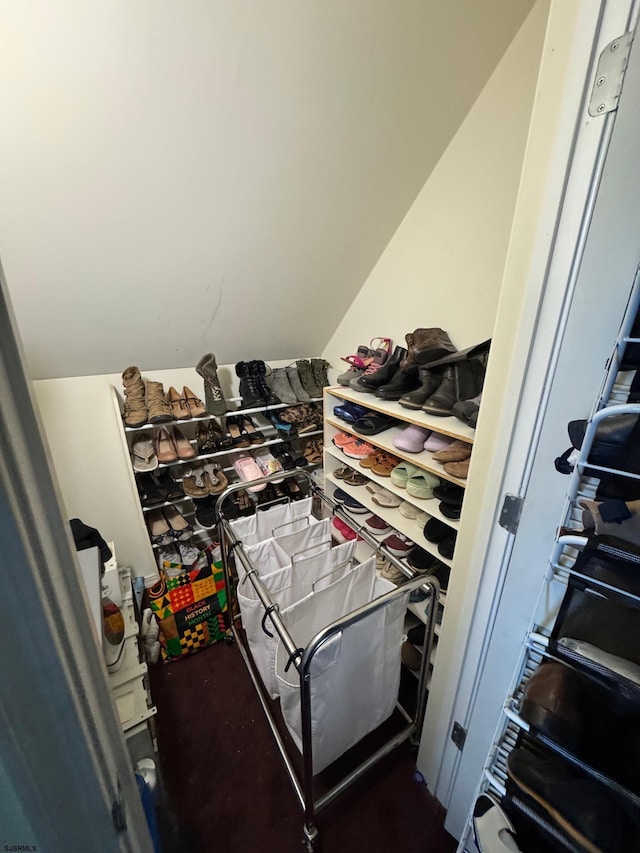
{"x": 158, "y": 408}
{"x": 554, "y": 702}
{"x": 425, "y": 346}
{"x": 135, "y": 409}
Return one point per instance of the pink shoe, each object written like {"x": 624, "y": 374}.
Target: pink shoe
{"x": 342, "y": 532}
{"x": 342, "y": 438}
{"x": 248, "y": 469}
{"x": 357, "y": 449}
{"x": 411, "y": 439}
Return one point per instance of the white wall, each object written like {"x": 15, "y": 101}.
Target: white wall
{"x": 443, "y": 266}
{"x": 211, "y": 175}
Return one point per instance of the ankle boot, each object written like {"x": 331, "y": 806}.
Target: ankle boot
{"x": 282, "y": 386}
{"x": 158, "y": 409}
{"x": 135, "y": 408}
{"x": 403, "y": 381}
{"x": 319, "y": 370}
{"x": 425, "y": 346}
{"x": 430, "y": 380}
{"x": 306, "y": 377}
{"x": 294, "y": 379}
{"x": 249, "y": 391}
{"x": 259, "y": 370}
{"x": 382, "y": 376}
{"x": 441, "y": 402}
{"x": 213, "y": 396}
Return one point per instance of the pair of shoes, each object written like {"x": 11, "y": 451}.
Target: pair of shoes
{"x": 243, "y": 431}
{"x": 358, "y": 364}
{"x": 254, "y": 389}
{"x": 288, "y": 387}
{"x": 380, "y": 462}
{"x": 410, "y": 511}
{"x": 450, "y": 497}
{"x": 158, "y": 488}
{"x": 422, "y": 561}
{"x": 383, "y": 497}
{"x": 171, "y": 445}
{"x": 313, "y": 451}
{"x": 261, "y": 464}
{"x": 200, "y": 481}
{"x": 283, "y": 452}
{"x": 457, "y": 469}
{"x": 135, "y": 407}
{"x": 313, "y": 375}
{"x": 390, "y": 572}
{"x": 174, "y": 558}
{"x": 350, "y": 412}
{"x": 418, "y": 483}
{"x": 305, "y": 417}
{"x": 376, "y": 526}
{"x": 467, "y": 411}
{"x": 211, "y": 438}
{"x": 376, "y": 362}
{"x": 354, "y": 448}
{"x": 186, "y": 405}
{"x": 398, "y": 544}
{"x": 412, "y": 439}
{"x": 238, "y": 505}
{"x": 213, "y": 393}
{"x": 373, "y": 423}
{"x": 166, "y": 525}
{"x": 143, "y": 454}
{"x": 342, "y": 533}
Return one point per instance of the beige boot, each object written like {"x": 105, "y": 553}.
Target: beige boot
{"x": 135, "y": 409}
{"x": 158, "y": 409}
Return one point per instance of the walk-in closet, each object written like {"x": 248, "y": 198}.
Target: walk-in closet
{"x": 319, "y": 354}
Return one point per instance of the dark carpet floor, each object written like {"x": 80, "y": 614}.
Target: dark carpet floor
{"x": 227, "y": 787}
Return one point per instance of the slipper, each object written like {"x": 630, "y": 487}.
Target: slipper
{"x": 143, "y": 456}
{"x": 437, "y": 441}
{"x": 492, "y": 829}
{"x": 422, "y": 485}
{"x": 373, "y": 424}
{"x": 384, "y": 498}
{"x": 385, "y": 466}
{"x": 269, "y": 464}
{"x": 402, "y": 472}
{"x": 248, "y": 469}
{"x": 412, "y": 512}
{"x": 411, "y": 439}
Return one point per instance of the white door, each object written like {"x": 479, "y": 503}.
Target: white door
{"x": 591, "y": 266}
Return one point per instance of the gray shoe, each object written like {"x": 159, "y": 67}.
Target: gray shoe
{"x": 282, "y": 386}
{"x": 353, "y": 373}
{"x": 213, "y": 396}
{"x": 296, "y": 385}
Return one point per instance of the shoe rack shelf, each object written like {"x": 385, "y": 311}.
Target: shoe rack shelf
{"x": 257, "y": 411}
{"x": 446, "y": 426}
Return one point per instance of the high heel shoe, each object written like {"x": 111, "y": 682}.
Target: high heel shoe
{"x": 194, "y": 403}
{"x": 184, "y": 449}
{"x": 239, "y": 437}
{"x": 164, "y": 447}
{"x": 248, "y": 427}
{"x": 178, "y": 405}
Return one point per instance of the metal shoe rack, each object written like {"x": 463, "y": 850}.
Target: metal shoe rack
{"x": 304, "y": 783}
{"x": 583, "y": 484}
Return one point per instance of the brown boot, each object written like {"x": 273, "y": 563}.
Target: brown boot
{"x": 158, "y": 409}
{"x": 135, "y": 409}
{"x": 425, "y": 346}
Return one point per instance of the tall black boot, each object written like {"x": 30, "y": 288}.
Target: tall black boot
{"x": 258, "y": 369}
{"x": 441, "y": 403}
{"x": 403, "y": 381}
{"x": 384, "y": 375}
{"x": 430, "y": 380}
{"x": 249, "y": 391}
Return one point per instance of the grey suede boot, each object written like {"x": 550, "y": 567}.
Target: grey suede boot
{"x": 213, "y": 396}
{"x": 282, "y": 387}
{"x": 296, "y": 385}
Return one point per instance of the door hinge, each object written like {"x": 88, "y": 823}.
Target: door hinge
{"x": 118, "y": 813}
{"x": 510, "y": 513}
{"x": 607, "y": 85}
{"x": 458, "y": 735}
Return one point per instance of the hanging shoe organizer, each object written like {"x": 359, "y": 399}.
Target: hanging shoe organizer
{"x": 320, "y": 634}
{"x": 562, "y": 785}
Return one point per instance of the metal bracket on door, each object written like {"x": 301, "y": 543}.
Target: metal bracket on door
{"x": 609, "y": 75}
{"x": 510, "y": 513}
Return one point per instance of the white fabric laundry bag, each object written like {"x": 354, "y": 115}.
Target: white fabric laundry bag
{"x": 279, "y": 551}
{"x": 285, "y": 585}
{"x": 355, "y": 675}
{"x": 277, "y": 520}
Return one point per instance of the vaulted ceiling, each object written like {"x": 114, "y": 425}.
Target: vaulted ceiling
{"x": 185, "y": 177}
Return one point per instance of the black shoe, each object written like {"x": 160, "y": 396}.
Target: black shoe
{"x": 249, "y": 391}
{"x": 167, "y": 485}
{"x": 442, "y": 401}
{"x": 436, "y": 530}
{"x": 449, "y": 511}
{"x": 447, "y": 546}
{"x": 259, "y": 371}
{"x": 401, "y": 384}
{"x": 430, "y": 382}
{"x": 384, "y": 374}
{"x": 149, "y": 492}
{"x": 449, "y": 493}
{"x": 206, "y": 515}
{"x": 281, "y": 452}
{"x": 421, "y": 560}
{"x": 416, "y": 635}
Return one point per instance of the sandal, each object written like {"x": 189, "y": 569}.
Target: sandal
{"x": 143, "y": 455}
{"x": 242, "y": 503}
{"x": 238, "y": 436}
{"x": 313, "y": 451}
{"x": 343, "y": 472}
{"x": 214, "y": 479}
{"x": 385, "y": 466}
{"x": 193, "y": 484}
{"x": 287, "y": 460}
{"x": 248, "y": 427}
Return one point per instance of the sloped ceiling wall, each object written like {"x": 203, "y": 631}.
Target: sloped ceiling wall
{"x": 185, "y": 177}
